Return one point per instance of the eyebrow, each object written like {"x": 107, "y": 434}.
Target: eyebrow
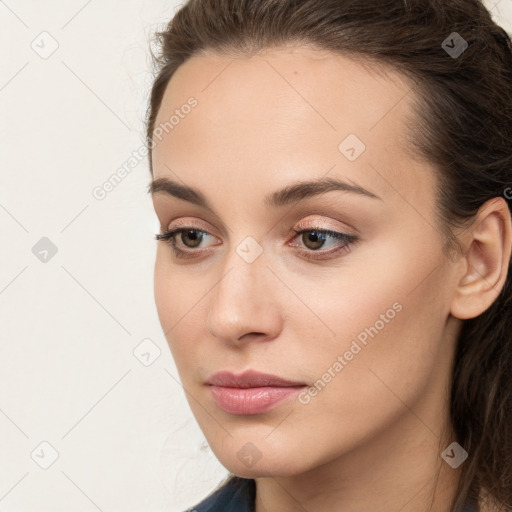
{"x": 290, "y": 194}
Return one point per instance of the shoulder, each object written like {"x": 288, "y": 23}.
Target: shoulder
{"x": 235, "y": 495}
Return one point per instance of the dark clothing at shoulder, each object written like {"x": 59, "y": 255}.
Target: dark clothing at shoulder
{"x": 238, "y": 495}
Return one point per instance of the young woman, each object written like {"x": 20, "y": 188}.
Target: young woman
{"x": 332, "y": 180}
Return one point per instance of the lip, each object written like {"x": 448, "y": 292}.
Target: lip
{"x": 251, "y": 392}
{"x": 250, "y": 379}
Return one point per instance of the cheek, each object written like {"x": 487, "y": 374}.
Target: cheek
{"x": 374, "y": 384}
{"x": 173, "y": 299}
{"x": 174, "y": 294}
{"x": 388, "y": 323}
{"x": 180, "y": 302}
{"x": 166, "y": 300}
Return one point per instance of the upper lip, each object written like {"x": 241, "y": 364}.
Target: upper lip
{"x": 249, "y": 379}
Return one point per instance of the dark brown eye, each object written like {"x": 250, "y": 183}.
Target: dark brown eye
{"x": 193, "y": 235}
{"x": 316, "y": 238}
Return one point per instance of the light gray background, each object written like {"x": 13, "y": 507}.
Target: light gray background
{"x": 124, "y": 434}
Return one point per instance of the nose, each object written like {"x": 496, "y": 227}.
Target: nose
{"x": 242, "y": 304}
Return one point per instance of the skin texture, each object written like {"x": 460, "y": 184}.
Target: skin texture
{"x": 371, "y": 439}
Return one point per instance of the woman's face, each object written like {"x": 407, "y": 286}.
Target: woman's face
{"x": 366, "y": 324}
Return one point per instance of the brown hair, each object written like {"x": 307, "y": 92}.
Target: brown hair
{"x": 463, "y": 126}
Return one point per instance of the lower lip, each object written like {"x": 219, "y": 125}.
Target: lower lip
{"x": 251, "y": 400}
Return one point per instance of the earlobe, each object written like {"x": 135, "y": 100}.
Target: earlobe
{"x": 485, "y": 264}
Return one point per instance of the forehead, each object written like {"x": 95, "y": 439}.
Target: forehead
{"x": 282, "y": 115}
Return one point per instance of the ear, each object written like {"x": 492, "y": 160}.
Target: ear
{"x": 485, "y": 265}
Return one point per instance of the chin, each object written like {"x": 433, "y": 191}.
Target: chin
{"x": 278, "y": 464}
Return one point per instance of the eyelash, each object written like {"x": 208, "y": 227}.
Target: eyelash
{"x": 169, "y": 237}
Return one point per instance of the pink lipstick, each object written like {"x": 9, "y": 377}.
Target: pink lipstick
{"x": 251, "y": 392}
